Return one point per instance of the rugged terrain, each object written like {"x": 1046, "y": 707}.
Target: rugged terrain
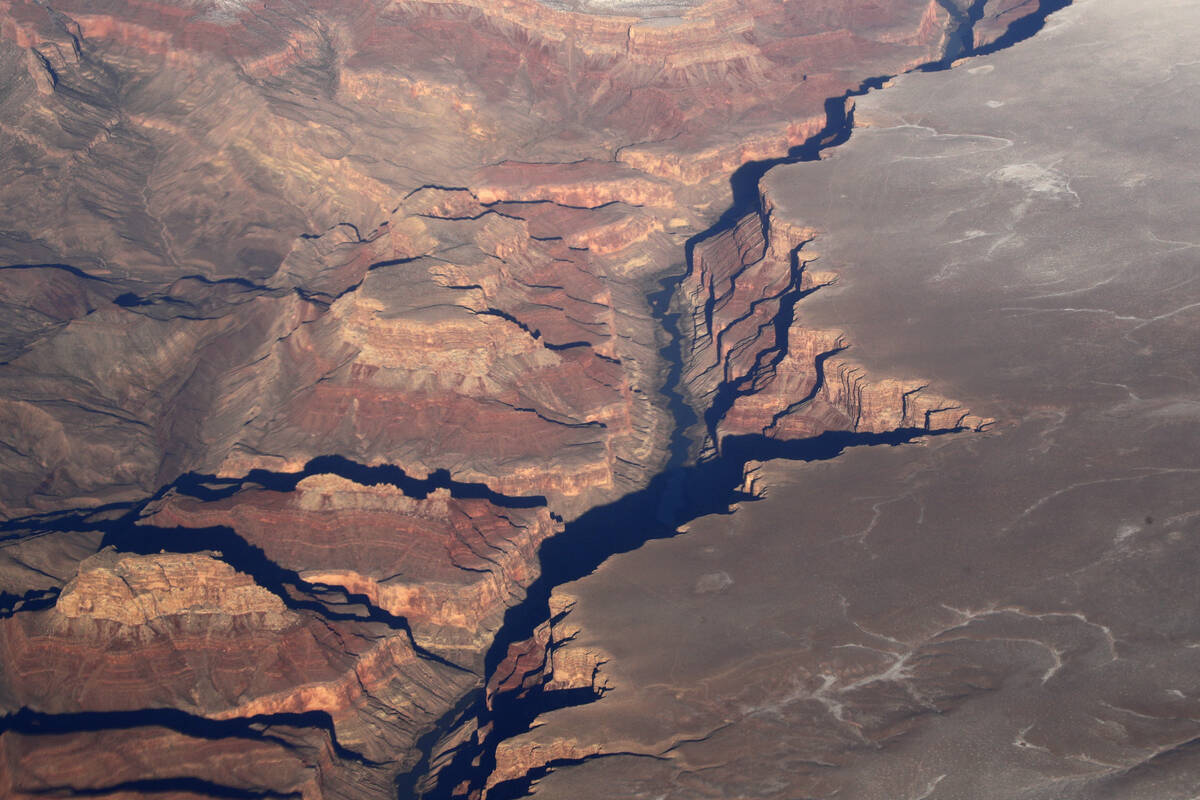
{"x": 323, "y": 320}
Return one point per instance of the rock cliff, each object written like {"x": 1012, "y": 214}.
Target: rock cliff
{"x": 754, "y": 368}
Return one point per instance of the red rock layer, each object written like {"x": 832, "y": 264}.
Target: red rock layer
{"x": 166, "y": 147}
{"x": 458, "y": 343}
{"x": 135, "y": 634}
{"x": 35, "y": 766}
{"x": 201, "y": 170}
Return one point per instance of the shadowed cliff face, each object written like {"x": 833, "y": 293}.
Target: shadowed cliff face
{"x": 333, "y": 342}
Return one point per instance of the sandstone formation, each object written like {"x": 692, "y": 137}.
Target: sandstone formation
{"x": 321, "y": 318}
{"x": 186, "y": 645}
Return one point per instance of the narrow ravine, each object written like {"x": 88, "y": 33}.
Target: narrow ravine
{"x": 686, "y": 488}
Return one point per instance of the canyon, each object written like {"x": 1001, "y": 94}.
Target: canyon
{"x": 348, "y": 346}
{"x": 1009, "y": 613}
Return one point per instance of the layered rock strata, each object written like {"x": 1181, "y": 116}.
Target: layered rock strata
{"x": 182, "y": 646}
{"x": 447, "y": 565}
{"x": 755, "y": 368}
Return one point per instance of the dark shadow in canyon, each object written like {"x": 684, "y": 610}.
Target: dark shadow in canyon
{"x": 150, "y": 786}
{"x": 32, "y": 600}
{"x": 202, "y": 486}
{"x": 208, "y": 487}
{"x": 123, "y": 527}
{"x": 29, "y": 722}
{"x": 839, "y": 111}
{"x": 1023, "y": 28}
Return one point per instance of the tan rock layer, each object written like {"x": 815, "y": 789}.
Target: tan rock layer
{"x": 137, "y": 590}
{"x": 225, "y": 661}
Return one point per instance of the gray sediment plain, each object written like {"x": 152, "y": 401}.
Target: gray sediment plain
{"x": 1006, "y": 614}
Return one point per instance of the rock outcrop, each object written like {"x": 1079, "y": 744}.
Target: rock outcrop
{"x": 448, "y": 565}
{"x": 171, "y": 647}
{"x": 755, "y": 368}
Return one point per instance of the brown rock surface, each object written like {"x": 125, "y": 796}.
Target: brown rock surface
{"x": 754, "y": 366}
{"x": 184, "y": 641}
{"x": 107, "y": 761}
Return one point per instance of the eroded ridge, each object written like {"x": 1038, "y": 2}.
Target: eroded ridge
{"x": 756, "y": 369}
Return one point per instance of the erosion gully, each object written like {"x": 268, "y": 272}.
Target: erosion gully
{"x": 686, "y": 488}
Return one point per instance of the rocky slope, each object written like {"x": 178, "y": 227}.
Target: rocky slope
{"x": 321, "y": 317}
